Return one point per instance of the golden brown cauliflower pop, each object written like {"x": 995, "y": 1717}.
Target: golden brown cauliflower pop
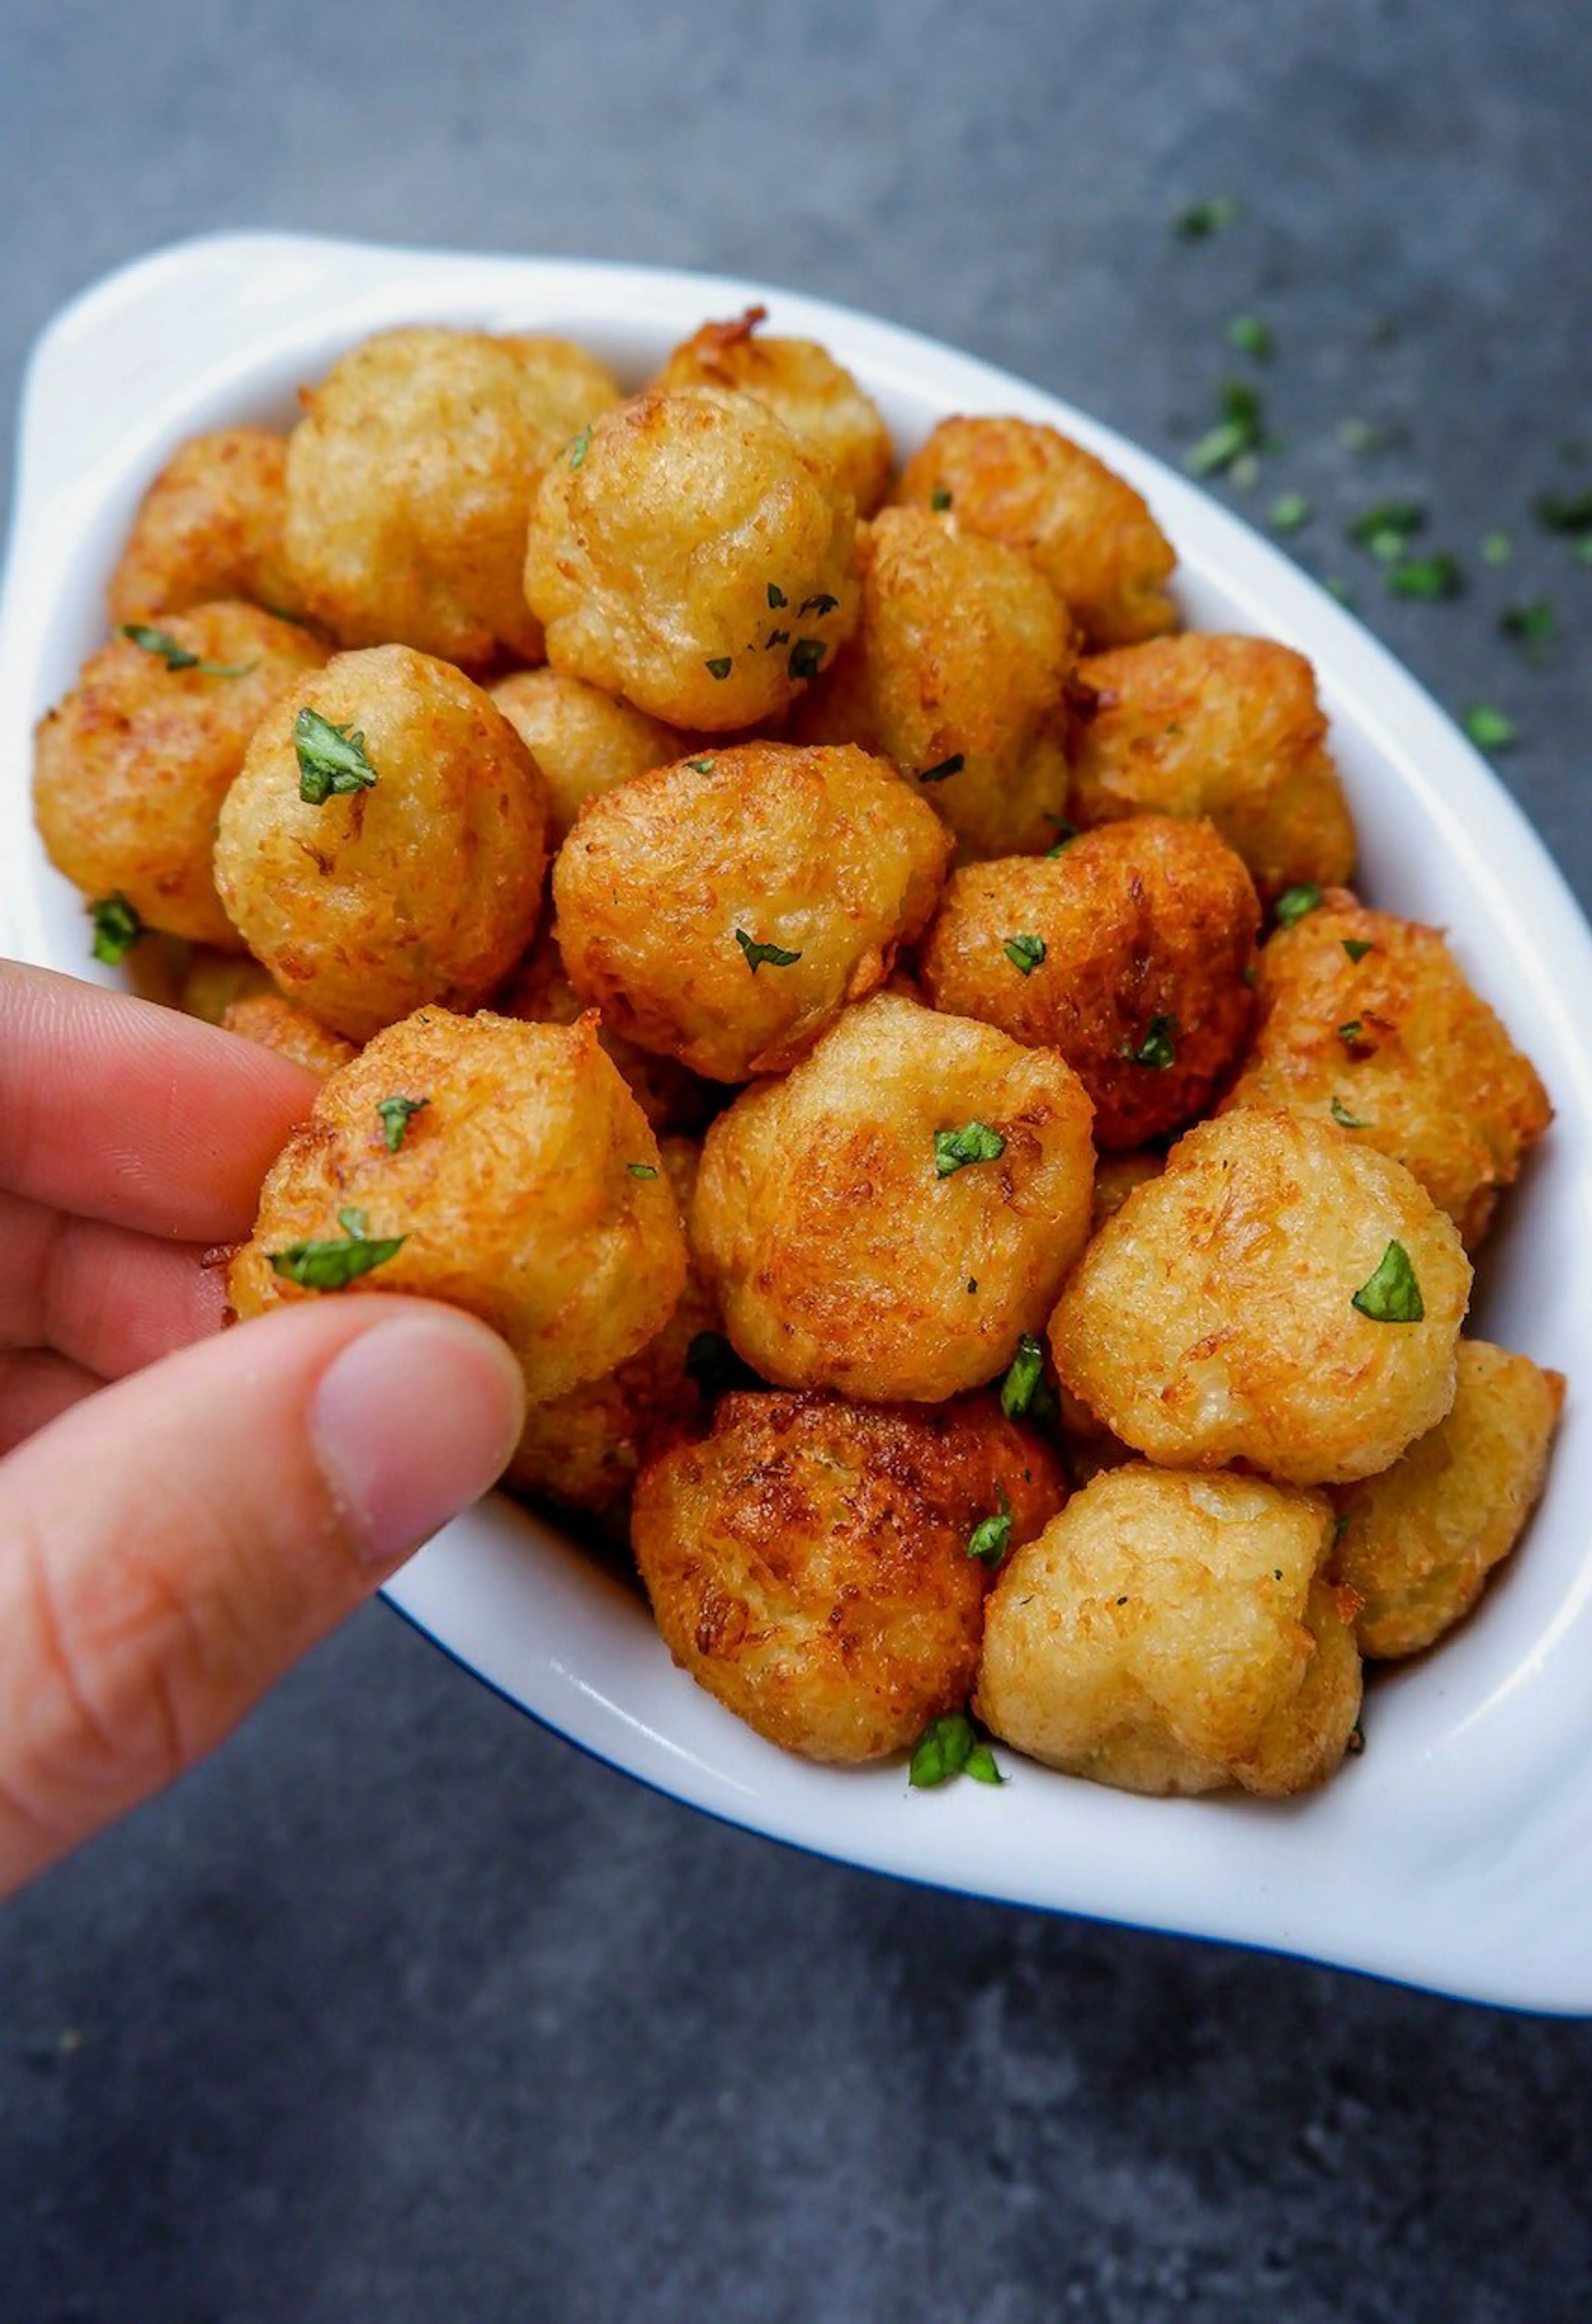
{"x": 209, "y": 527}
{"x": 672, "y": 1097}
{"x": 1367, "y": 1021}
{"x": 691, "y": 554}
{"x": 1225, "y": 727}
{"x": 1167, "y": 1633}
{"x": 809, "y": 1563}
{"x": 958, "y": 674}
{"x": 130, "y": 769}
{"x": 888, "y": 1219}
{"x": 583, "y": 741}
{"x": 276, "y": 1025}
{"x": 816, "y": 396}
{"x": 417, "y": 875}
{"x": 1277, "y": 1295}
{"x": 502, "y": 1167}
{"x": 724, "y": 909}
{"x": 1418, "y": 1542}
{"x": 410, "y": 480}
{"x": 1088, "y": 531}
{"x": 1127, "y": 953}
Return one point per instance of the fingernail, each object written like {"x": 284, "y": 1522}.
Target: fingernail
{"x": 412, "y": 1422}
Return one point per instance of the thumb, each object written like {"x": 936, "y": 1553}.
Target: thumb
{"x": 172, "y": 1545}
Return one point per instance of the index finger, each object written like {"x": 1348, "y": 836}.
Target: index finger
{"x": 117, "y": 1109}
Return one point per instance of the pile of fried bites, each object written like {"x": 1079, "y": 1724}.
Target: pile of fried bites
{"x": 897, "y": 1004}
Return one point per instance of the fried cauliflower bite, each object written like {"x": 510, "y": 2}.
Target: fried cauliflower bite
{"x": 1127, "y": 953}
{"x": 509, "y": 1165}
{"x": 672, "y": 1097}
{"x": 209, "y": 527}
{"x": 695, "y": 556}
{"x": 292, "y": 1033}
{"x": 1214, "y": 1318}
{"x": 420, "y": 885}
{"x": 889, "y": 1219}
{"x": 1367, "y": 1020}
{"x": 1115, "y": 1179}
{"x": 1167, "y": 1633}
{"x": 130, "y": 769}
{"x": 724, "y": 910}
{"x": 808, "y": 1563}
{"x": 800, "y": 382}
{"x": 959, "y": 675}
{"x": 583, "y": 741}
{"x": 584, "y": 1450}
{"x": 1087, "y": 531}
{"x": 1417, "y": 1544}
{"x": 1228, "y": 728}
{"x": 210, "y": 981}
{"x": 409, "y": 483}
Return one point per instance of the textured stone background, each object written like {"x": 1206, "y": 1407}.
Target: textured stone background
{"x": 402, "y": 2009}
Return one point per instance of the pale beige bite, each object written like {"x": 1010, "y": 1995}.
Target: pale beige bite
{"x": 209, "y": 527}
{"x": 408, "y": 486}
{"x": 815, "y": 396}
{"x": 1167, "y": 1633}
{"x": 583, "y": 740}
{"x": 1417, "y": 1544}
{"x": 958, "y": 674}
{"x": 1228, "y": 728}
{"x": 808, "y": 1563}
{"x": 724, "y": 910}
{"x": 1080, "y": 523}
{"x": 889, "y": 1218}
{"x": 1214, "y": 1318}
{"x": 130, "y": 771}
{"x": 692, "y": 555}
{"x": 1367, "y": 1021}
{"x": 422, "y": 884}
{"x": 509, "y": 1165}
{"x": 1128, "y": 953}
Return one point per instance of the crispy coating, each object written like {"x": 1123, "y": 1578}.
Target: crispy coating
{"x": 696, "y": 558}
{"x": 584, "y": 1450}
{"x": 808, "y": 1563}
{"x": 842, "y": 1257}
{"x": 816, "y": 396}
{"x": 130, "y": 769}
{"x": 409, "y": 478}
{"x": 670, "y": 1095}
{"x": 1212, "y": 1319}
{"x": 292, "y": 1033}
{"x": 424, "y": 886}
{"x": 1131, "y": 947}
{"x": 210, "y": 981}
{"x": 958, "y": 674}
{"x": 512, "y": 1187}
{"x": 1398, "y": 1041}
{"x": 1419, "y": 1542}
{"x": 665, "y": 887}
{"x": 1228, "y": 728}
{"x": 583, "y": 741}
{"x": 1167, "y": 1633}
{"x": 209, "y": 527}
{"x": 1087, "y": 531}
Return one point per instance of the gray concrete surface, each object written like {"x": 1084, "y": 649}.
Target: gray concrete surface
{"x": 400, "y": 2009}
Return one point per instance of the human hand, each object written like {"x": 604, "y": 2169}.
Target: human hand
{"x": 179, "y": 1522}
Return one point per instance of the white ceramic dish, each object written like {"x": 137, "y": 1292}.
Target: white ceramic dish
{"x": 1457, "y": 1852}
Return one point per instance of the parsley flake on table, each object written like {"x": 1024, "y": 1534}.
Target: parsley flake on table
{"x": 117, "y": 928}
{"x": 1158, "y": 1049}
{"x": 1488, "y": 727}
{"x": 1565, "y": 512}
{"x": 328, "y": 1265}
{"x": 1385, "y": 526}
{"x": 331, "y": 758}
{"x": 1345, "y": 1119}
{"x": 975, "y": 1141}
{"x": 1391, "y": 1294}
{"x": 1200, "y": 220}
{"x": 1290, "y": 512}
{"x": 1530, "y": 626}
{"x": 1252, "y": 335}
{"x": 1023, "y": 1391}
{"x": 943, "y": 768}
{"x": 397, "y": 1113}
{"x": 1360, "y": 437}
{"x": 1294, "y": 902}
{"x": 757, "y": 954}
{"x": 1025, "y": 953}
{"x": 1240, "y": 429}
{"x": 1430, "y": 577}
{"x": 162, "y": 643}
{"x": 1496, "y": 548}
{"x": 991, "y": 1537}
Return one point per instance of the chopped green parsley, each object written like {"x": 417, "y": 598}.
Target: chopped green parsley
{"x": 1158, "y": 1049}
{"x": 1391, "y": 1294}
{"x": 331, "y": 758}
{"x": 949, "y": 1747}
{"x": 178, "y": 656}
{"x": 1294, "y": 902}
{"x": 117, "y": 928}
{"x": 328, "y": 1265}
{"x": 757, "y": 954}
{"x": 975, "y": 1141}
{"x": 1025, "y": 953}
{"x": 397, "y": 1113}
